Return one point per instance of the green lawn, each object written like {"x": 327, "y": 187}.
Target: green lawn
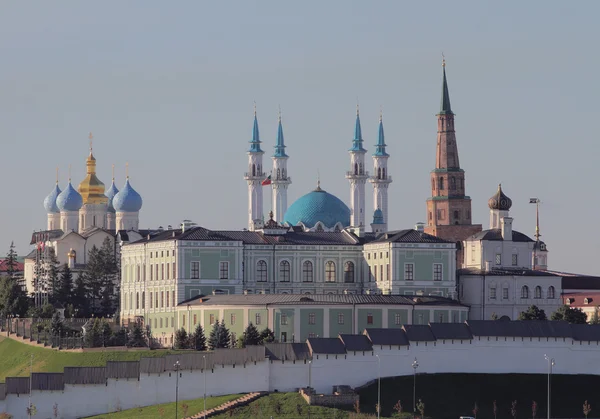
{"x": 15, "y": 358}
{"x": 168, "y": 409}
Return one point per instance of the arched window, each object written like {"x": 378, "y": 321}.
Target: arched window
{"x": 432, "y": 184}
{"x": 551, "y": 292}
{"x": 330, "y": 271}
{"x": 278, "y": 173}
{"x": 452, "y": 183}
{"x": 360, "y": 168}
{"x": 356, "y": 168}
{"x": 379, "y": 173}
{"x": 253, "y": 170}
{"x": 538, "y": 292}
{"x": 348, "y": 272}
{"x": 307, "y": 271}
{"x": 143, "y": 299}
{"x": 259, "y": 169}
{"x": 319, "y": 227}
{"x": 284, "y": 271}
{"x": 456, "y": 215}
{"x": 131, "y": 301}
{"x": 261, "y": 271}
{"x": 137, "y": 300}
{"x": 525, "y": 291}
{"x": 383, "y": 172}
{"x": 441, "y": 183}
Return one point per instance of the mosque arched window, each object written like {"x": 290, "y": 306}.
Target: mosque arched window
{"x": 432, "y": 184}
{"x": 307, "y": 271}
{"x": 283, "y": 173}
{"x": 278, "y": 173}
{"x": 330, "y": 271}
{"x": 379, "y": 173}
{"x": 383, "y": 172}
{"x": 349, "y": 272}
{"x": 253, "y": 170}
{"x": 261, "y": 271}
{"x": 356, "y": 168}
{"x": 525, "y": 292}
{"x": 360, "y": 168}
{"x": 284, "y": 271}
{"x": 538, "y": 292}
{"x": 319, "y": 227}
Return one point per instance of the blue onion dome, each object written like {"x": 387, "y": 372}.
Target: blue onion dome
{"x": 500, "y": 201}
{"x": 378, "y": 216}
{"x": 50, "y": 201}
{"x": 110, "y": 194}
{"x": 127, "y": 199}
{"x": 69, "y": 199}
{"x": 316, "y": 206}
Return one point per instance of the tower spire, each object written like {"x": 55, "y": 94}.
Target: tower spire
{"x": 380, "y": 146}
{"x": 255, "y": 142}
{"x": 280, "y": 145}
{"x": 57, "y": 175}
{"x": 445, "y": 105}
{"x": 113, "y": 173}
{"x": 357, "y": 143}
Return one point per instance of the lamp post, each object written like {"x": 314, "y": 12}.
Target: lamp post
{"x": 204, "y": 359}
{"x": 29, "y": 411}
{"x": 550, "y": 365}
{"x": 378, "y": 386}
{"x": 189, "y": 318}
{"x": 177, "y": 365}
{"x": 415, "y": 365}
{"x": 309, "y": 382}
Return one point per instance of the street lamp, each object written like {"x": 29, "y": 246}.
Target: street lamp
{"x": 550, "y": 365}
{"x": 177, "y": 365}
{"x": 378, "y": 386}
{"x": 204, "y": 359}
{"x": 309, "y": 382}
{"x": 415, "y": 365}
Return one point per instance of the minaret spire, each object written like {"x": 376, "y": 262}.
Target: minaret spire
{"x": 357, "y": 176}
{"x": 254, "y": 177}
{"x": 380, "y": 181}
{"x": 279, "y": 177}
{"x": 445, "y": 107}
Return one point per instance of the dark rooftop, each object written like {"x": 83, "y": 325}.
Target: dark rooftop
{"x": 326, "y": 346}
{"x": 419, "y": 333}
{"x": 409, "y": 236}
{"x": 356, "y": 342}
{"x": 495, "y": 234}
{"x": 387, "y": 337}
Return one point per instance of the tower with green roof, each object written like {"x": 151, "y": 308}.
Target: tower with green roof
{"x": 279, "y": 177}
{"x": 255, "y": 177}
{"x": 357, "y": 176}
{"x": 380, "y": 181}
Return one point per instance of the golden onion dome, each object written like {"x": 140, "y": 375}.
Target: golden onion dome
{"x": 91, "y": 188}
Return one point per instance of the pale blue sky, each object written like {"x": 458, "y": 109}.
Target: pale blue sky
{"x": 169, "y": 87}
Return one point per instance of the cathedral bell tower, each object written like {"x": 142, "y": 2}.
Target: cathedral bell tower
{"x": 448, "y": 208}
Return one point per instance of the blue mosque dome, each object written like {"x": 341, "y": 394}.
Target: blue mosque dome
{"x": 50, "y": 201}
{"x": 316, "y": 206}
{"x": 110, "y": 194}
{"x": 69, "y": 199}
{"x": 127, "y": 200}
{"x": 378, "y": 217}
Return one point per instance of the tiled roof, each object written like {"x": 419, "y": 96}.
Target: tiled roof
{"x": 315, "y": 299}
{"x": 287, "y": 351}
{"x": 19, "y": 267}
{"x": 44, "y": 235}
{"x": 387, "y": 337}
{"x": 356, "y": 342}
{"x": 418, "y": 333}
{"x": 326, "y": 346}
{"x": 449, "y": 331}
{"x": 495, "y": 234}
{"x": 579, "y": 299}
{"x": 408, "y": 236}
{"x": 580, "y": 282}
{"x": 521, "y": 328}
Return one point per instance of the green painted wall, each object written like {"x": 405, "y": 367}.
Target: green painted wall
{"x": 194, "y": 290}
{"x": 440, "y": 316}
{"x": 237, "y": 327}
{"x": 335, "y": 328}
{"x": 209, "y": 259}
{"x": 264, "y": 318}
{"x": 421, "y": 317}
{"x": 403, "y": 314}
{"x": 463, "y": 316}
{"x": 306, "y": 328}
{"x": 423, "y": 261}
{"x": 278, "y": 328}
{"x": 207, "y": 326}
{"x": 362, "y": 322}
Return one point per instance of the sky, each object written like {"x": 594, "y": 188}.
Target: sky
{"x": 169, "y": 87}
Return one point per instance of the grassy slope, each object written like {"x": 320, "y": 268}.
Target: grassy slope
{"x": 15, "y": 358}
{"x": 454, "y": 395}
{"x": 152, "y": 412}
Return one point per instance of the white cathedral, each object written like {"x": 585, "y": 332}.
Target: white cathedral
{"x": 319, "y": 210}
{"x": 78, "y": 219}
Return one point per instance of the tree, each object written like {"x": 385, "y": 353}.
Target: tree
{"x": 398, "y": 409}
{"x": 251, "y": 335}
{"x": 513, "y": 409}
{"x": 224, "y": 336}
{"x": 93, "y": 337}
{"x": 57, "y": 325}
{"x": 213, "y": 338}
{"x": 570, "y": 315}
{"x": 494, "y": 316}
{"x": 421, "y": 408}
{"x": 594, "y": 319}
{"x": 533, "y": 313}
{"x": 219, "y": 336}
{"x": 79, "y": 296}
{"x": 11, "y": 261}
{"x": 266, "y": 336}
{"x": 52, "y": 273}
{"x": 64, "y": 289}
{"x": 534, "y": 408}
{"x": 199, "y": 339}
{"x": 105, "y": 332}
{"x": 181, "y": 339}
{"x": 109, "y": 299}
{"x": 586, "y": 409}
{"x": 137, "y": 338}
{"x": 12, "y": 298}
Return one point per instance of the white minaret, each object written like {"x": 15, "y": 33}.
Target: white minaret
{"x": 279, "y": 178}
{"x": 357, "y": 177}
{"x": 255, "y": 178}
{"x": 380, "y": 179}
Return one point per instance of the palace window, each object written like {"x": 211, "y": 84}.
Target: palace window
{"x": 284, "y": 271}
{"x": 167, "y": 298}
{"x": 525, "y": 291}
{"x": 151, "y": 272}
{"x": 330, "y": 271}
{"x": 137, "y": 300}
{"x": 232, "y": 319}
{"x": 212, "y": 319}
{"x": 284, "y": 319}
{"x": 312, "y": 335}
{"x": 340, "y": 318}
{"x": 223, "y": 270}
{"x": 151, "y": 300}
{"x": 374, "y": 272}
{"x": 195, "y": 319}
{"x": 156, "y": 305}
{"x": 538, "y": 292}
{"x": 168, "y": 270}
{"x": 261, "y": 271}
{"x": 162, "y": 271}
{"x": 437, "y": 271}
{"x": 311, "y": 318}
{"x": 162, "y": 299}
{"x": 173, "y": 297}
{"x": 307, "y": 271}
{"x": 515, "y": 260}
{"x": 409, "y": 271}
{"x": 551, "y": 292}
{"x": 493, "y": 293}
{"x": 498, "y": 258}
{"x": 388, "y": 272}
{"x": 349, "y": 272}
{"x": 369, "y": 318}
{"x": 505, "y": 293}
{"x": 397, "y": 319}
{"x": 257, "y": 319}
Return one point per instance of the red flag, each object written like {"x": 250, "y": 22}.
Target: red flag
{"x": 267, "y": 181}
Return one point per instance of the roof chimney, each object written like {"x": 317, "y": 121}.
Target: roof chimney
{"x": 420, "y": 227}
{"x": 506, "y": 228}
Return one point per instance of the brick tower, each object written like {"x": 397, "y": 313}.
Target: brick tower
{"x": 449, "y": 209}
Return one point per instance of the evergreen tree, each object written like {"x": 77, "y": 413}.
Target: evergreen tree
{"x": 79, "y": 296}
{"x": 137, "y": 338}
{"x": 93, "y": 279}
{"x": 199, "y": 340}
{"x": 106, "y": 332}
{"x": 251, "y": 335}
{"x": 57, "y": 325}
{"x": 266, "y": 336}
{"x": 181, "y": 339}
{"x": 213, "y": 339}
{"x": 570, "y": 315}
{"x": 92, "y": 334}
{"x": 594, "y": 319}
{"x": 224, "y": 336}
{"x": 13, "y": 299}
{"x": 52, "y": 274}
{"x": 11, "y": 261}
{"x": 64, "y": 289}
{"x": 108, "y": 277}
{"x": 533, "y": 313}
